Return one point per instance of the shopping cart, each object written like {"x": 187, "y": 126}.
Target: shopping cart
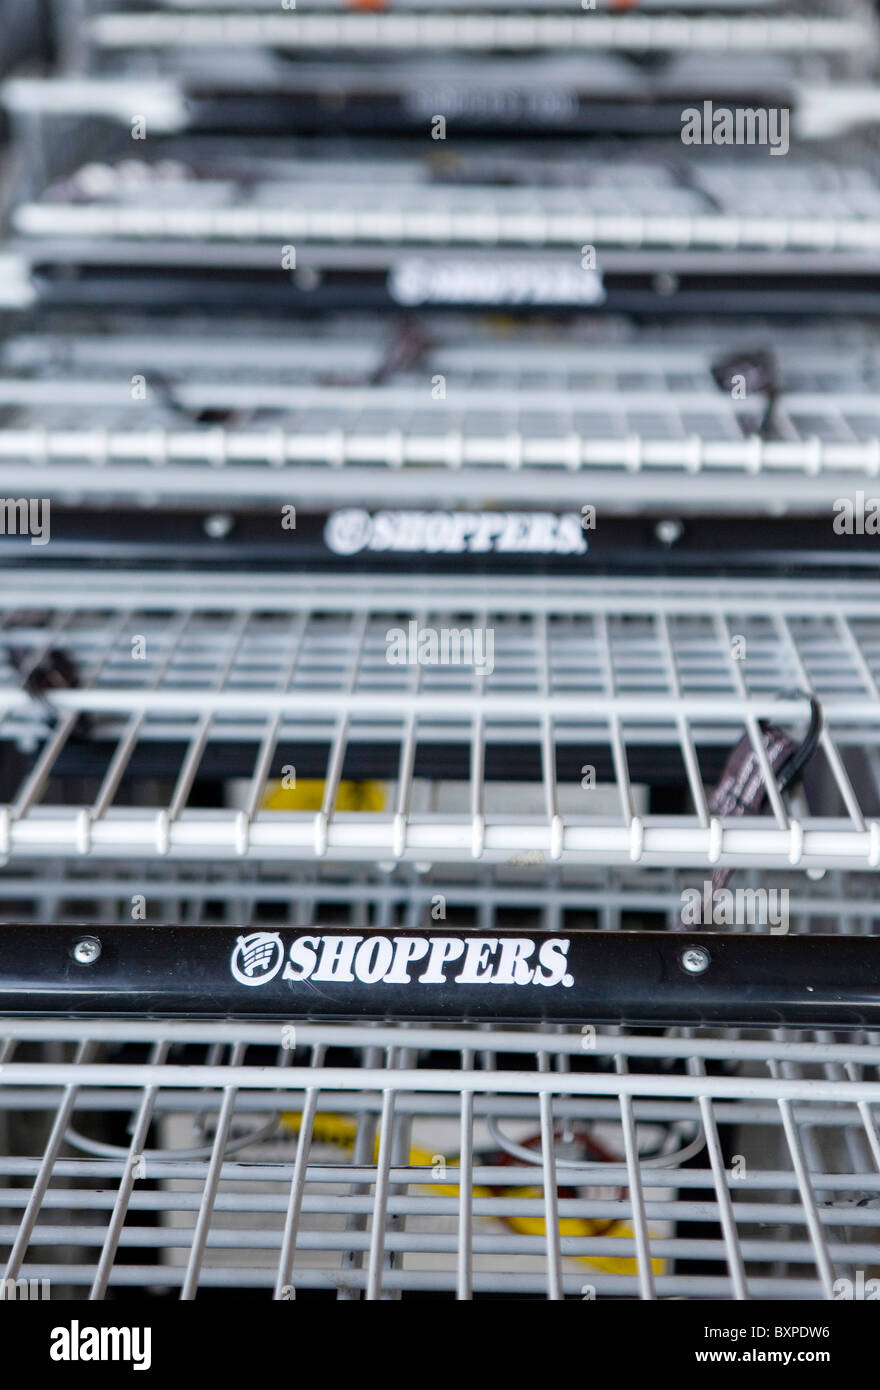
{"x": 346, "y": 416}
{"x": 542, "y": 968}
{"x": 632, "y": 228}
{"x": 435, "y": 1206}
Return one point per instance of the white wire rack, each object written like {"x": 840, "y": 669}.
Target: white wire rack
{"x": 644, "y": 196}
{"x": 533, "y": 6}
{"x": 385, "y": 1162}
{"x": 624, "y": 674}
{"x": 627, "y": 425}
{"x": 481, "y": 30}
{"x": 71, "y": 892}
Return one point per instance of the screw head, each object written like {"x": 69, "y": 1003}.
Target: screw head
{"x": 695, "y": 959}
{"x": 218, "y": 526}
{"x": 666, "y": 283}
{"x": 668, "y": 531}
{"x": 87, "y": 950}
{"x": 307, "y": 278}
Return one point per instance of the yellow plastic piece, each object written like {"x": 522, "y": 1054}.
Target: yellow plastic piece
{"x": 336, "y": 1129}
{"x": 308, "y": 795}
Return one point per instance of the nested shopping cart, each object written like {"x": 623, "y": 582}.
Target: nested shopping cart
{"x": 190, "y": 169}
{"x": 544, "y": 969}
{"x": 717, "y": 1139}
{"x": 341, "y": 418}
{"x": 325, "y": 67}
{"x": 248, "y": 224}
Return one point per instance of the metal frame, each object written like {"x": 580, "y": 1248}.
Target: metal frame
{"x": 533, "y": 6}
{"x": 531, "y": 897}
{"x": 641, "y": 196}
{"x": 627, "y": 425}
{"x": 387, "y": 31}
{"x": 384, "y": 1160}
{"x": 633, "y": 979}
{"x": 581, "y": 669}
{"x": 670, "y": 234}
{"x": 787, "y": 1217}
{"x": 258, "y": 90}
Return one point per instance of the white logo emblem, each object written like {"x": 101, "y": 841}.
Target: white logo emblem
{"x": 348, "y": 531}
{"x": 455, "y": 533}
{"x": 257, "y": 958}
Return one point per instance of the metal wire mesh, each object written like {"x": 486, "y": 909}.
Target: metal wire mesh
{"x": 527, "y": 897}
{"x": 265, "y": 677}
{"x": 638, "y": 196}
{"x": 802, "y": 32}
{"x": 409, "y": 1174}
{"x": 630, "y": 421}
{"x": 534, "y": 6}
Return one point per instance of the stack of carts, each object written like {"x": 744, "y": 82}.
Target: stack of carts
{"x": 439, "y": 650}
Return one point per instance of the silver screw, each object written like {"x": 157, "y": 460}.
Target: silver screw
{"x": 218, "y": 526}
{"x": 86, "y": 951}
{"x": 668, "y": 531}
{"x": 695, "y": 959}
{"x": 665, "y": 283}
{"x": 307, "y": 278}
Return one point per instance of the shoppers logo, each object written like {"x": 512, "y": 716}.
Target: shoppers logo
{"x": 719, "y": 125}
{"x": 455, "y": 533}
{"x": 374, "y": 960}
{"x": 417, "y": 280}
{"x": 75, "y": 1343}
{"x": 471, "y": 102}
{"x": 257, "y": 958}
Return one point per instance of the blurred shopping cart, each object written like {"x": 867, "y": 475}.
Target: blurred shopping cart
{"x": 439, "y": 756}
